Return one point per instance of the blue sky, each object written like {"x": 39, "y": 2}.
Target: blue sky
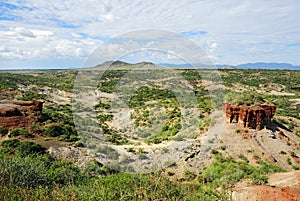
{"x": 57, "y": 34}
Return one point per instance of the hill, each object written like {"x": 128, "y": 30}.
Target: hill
{"x": 270, "y": 66}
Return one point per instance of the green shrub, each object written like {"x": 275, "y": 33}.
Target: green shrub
{"x": 291, "y": 125}
{"x": 79, "y": 144}
{"x": 95, "y": 169}
{"x": 243, "y": 157}
{"x": 9, "y": 146}
{"x": 108, "y": 151}
{"x": 131, "y": 149}
{"x": 29, "y": 148}
{"x": 223, "y": 147}
{"x": 102, "y": 105}
{"x": 64, "y": 172}
{"x": 244, "y": 98}
{"x": 18, "y": 131}
{"x": 54, "y": 130}
{"x": 3, "y": 130}
{"x": 35, "y": 128}
{"x": 282, "y": 152}
{"x": 15, "y": 146}
{"x": 295, "y": 167}
{"x": 293, "y": 154}
{"x": 65, "y": 132}
{"x": 30, "y": 95}
{"x": 289, "y": 161}
{"x": 214, "y": 151}
{"x": 225, "y": 170}
{"x": 26, "y": 172}
{"x": 259, "y": 179}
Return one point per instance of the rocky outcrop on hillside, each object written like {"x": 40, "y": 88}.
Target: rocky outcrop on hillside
{"x": 256, "y": 117}
{"x": 17, "y": 114}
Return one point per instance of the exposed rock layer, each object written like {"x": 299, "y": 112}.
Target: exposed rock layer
{"x": 16, "y": 114}
{"x": 256, "y": 117}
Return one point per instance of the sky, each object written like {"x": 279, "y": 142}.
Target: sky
{"x": 63, "y": 34}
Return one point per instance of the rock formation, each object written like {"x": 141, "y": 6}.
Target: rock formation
{"x": 17, "y": 114}
{"x": 256, "y": 117}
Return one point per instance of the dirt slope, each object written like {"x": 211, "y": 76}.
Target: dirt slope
{"x": 282, "y": 187}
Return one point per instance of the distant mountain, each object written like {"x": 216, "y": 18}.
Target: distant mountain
{"x": 176, "y": 65}
{"x": 121, "y": 65}
{"x": 257, "y": 65}
{"x": 195, "y": 65}
{"x": 225, "y": 66}
{"x": 272, "y": 66}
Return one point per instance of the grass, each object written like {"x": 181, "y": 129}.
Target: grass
{"x": 38, "y": 176}
{"x": 27, "y": 172}
{"x": 226, "y": 170}
{"x": 35, "y": 175}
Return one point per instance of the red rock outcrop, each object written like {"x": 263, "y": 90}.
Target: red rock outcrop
{"x": 17, "y": 114}
{"x": 256, "y": 117}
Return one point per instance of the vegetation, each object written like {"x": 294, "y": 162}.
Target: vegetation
{"x": 244, "y": 98}
{"x": 28, "y": 172}
{"x": 63, "y": 80}
{"x": 37, "y": 176}
{"x": 18, "y": 131}
{"x": 59, "y": 123}
{"x": 226, "y": 171}
{"x": 3, "y": 130}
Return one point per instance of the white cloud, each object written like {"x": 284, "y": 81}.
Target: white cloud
{"x": 70, "y": 28}
{"x": 76, "y": 35}
{"x": 23, "y": 32}
{"x": 33, "y": 43}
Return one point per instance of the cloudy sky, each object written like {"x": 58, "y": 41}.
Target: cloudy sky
{"x": 62, "y": 34}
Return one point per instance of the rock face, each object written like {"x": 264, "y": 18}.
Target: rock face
{"x": 256, "y": 117}
{"x": 17, "y": 114}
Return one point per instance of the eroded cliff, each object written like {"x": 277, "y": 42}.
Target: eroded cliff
{"x": 17, "y": 114}
{"x": 256, "y": 117}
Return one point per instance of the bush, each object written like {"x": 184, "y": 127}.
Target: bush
{"x": 108, "y": 151}
{"x": 3, "y": 130}
{"x": 289, "y": 161}
{"x": 226, "y": 170}
{"x": 18, "y": 131}
{"x": 26, "y": 172}
{"x": 66, "y": 132}
{"x": 95, "y": 169}
{"x": 15, "y": 146}
{"x": 214, "y": 151}
{"x": 9, "y": 146}
{"x": 259, "y": 179}
{"x": 54, "y": 130}
{"x": 29, "y": 148}
{"x": 35, "y": 128}
{"x": 79, "y": 144}
{"x": 291, "y": 125}
{"x": 293, "y": 154}
{"x": 282, "y": 152}
{"x": 244, "y": 98}
{"x": 64, "y": 172}
{"x": 223, "y": 147}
